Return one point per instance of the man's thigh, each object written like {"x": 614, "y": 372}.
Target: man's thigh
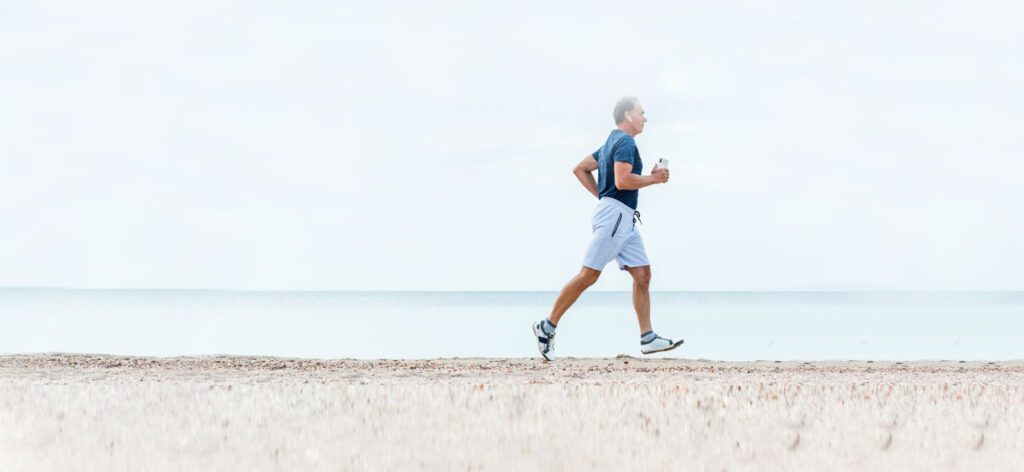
{"x": 603, "y": 248}
{"x": 633, "y": 253}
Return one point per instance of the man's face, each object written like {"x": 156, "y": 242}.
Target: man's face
{"x": 636, "y": 118}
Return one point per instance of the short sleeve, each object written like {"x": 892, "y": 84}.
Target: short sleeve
{"x": 625, "y": 149}
{"x": 597, "y": 154}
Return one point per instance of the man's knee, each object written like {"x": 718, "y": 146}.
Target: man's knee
{"x": 641, "y": 276}
{"x": 589, "y": 276}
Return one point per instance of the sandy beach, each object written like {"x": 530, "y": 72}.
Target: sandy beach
{"x": 86, "y": 412}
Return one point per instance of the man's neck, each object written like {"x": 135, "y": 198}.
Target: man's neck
{"x": 626, "y": 128}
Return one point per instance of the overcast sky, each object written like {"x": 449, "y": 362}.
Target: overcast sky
{"x": 428, "y": 145}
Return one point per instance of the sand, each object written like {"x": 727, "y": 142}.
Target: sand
{"x": 86, "y": 412}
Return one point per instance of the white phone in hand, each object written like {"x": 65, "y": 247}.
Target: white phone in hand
{"x": 663, "y": 163}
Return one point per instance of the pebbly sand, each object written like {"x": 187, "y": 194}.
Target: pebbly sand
{"x": 86, "y": 412}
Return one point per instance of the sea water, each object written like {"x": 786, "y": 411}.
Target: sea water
{"x": 389, "y": 325}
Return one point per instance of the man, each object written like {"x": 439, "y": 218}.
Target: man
{"x": 614, "y": 224}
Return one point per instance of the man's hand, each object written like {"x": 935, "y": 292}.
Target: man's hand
{"x": 584, "y": 171}
{"x": 659, "y": 175}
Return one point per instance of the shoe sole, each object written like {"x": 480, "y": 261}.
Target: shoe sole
{"x": 673, "y": 346}
{"x": 536, "y": 334}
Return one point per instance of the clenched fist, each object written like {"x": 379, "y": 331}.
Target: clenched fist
{"x": 660, "y": 175}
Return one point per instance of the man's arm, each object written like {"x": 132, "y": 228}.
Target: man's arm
{"x": 585, "y": 172}
{"x": 625, "y": 179}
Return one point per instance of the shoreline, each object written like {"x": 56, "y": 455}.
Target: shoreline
{"x": 14, "y": 365}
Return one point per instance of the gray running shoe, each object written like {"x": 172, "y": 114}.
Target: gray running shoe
{"x": 545, "y": 341}
{"x": 659, "y": 344}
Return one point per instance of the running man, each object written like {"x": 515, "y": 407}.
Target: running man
{"x": 616, "y": 236}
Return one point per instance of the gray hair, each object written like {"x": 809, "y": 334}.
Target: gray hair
{"x": 625, "y": 104}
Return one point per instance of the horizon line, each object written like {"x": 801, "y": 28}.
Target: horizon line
{"x": 382, "y": 291}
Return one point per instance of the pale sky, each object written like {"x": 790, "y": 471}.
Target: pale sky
{"x": 428, "y": 145}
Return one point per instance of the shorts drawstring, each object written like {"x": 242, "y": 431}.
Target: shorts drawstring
{"x": 636, "y": 217}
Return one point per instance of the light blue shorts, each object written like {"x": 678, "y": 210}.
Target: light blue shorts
{"x": 616, "y": 236}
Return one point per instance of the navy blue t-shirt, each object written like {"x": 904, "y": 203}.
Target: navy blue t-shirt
{"x": 620, "y": 147}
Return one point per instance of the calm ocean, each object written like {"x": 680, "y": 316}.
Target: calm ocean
{"x": 371, "y": 325}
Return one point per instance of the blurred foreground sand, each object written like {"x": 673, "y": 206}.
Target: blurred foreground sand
{"x": 85, "y": 412}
